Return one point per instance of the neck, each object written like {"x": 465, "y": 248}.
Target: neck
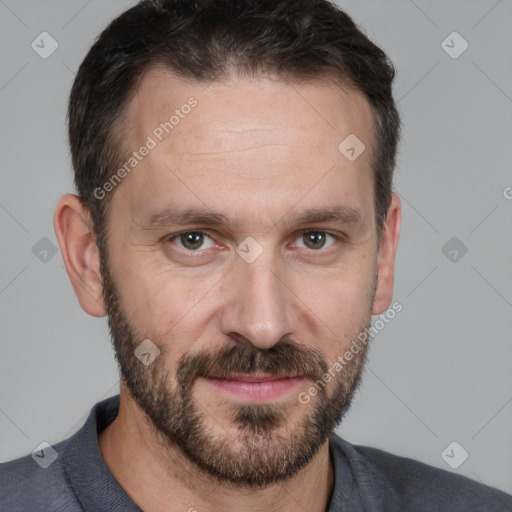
{"x": 163, "y": 479}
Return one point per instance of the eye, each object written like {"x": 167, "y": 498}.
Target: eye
{"x": 315, "y": 240}
{"x": 193, "y": 241}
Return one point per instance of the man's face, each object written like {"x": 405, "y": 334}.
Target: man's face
{"x": 244, "y": 247}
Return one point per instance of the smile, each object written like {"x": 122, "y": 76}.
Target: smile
{"x": 257, "y": 388}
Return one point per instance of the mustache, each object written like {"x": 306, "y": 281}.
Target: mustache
{"x": 282, "y": 359}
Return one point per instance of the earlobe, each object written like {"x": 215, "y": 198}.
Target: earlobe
{"x": 386, "y": 257}
{"x": 77, "y": 241}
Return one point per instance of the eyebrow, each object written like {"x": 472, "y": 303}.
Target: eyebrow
{"x": 344, "y": 215}
{"x": 176, "y": 217}
{"x": 338, "y": 214}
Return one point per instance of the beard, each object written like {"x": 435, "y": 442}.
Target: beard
{"x": 261, "y": 447}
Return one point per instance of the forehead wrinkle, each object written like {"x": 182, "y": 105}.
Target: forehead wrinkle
{"x": 220, "y": 135}
{"x": 244, "y": 150}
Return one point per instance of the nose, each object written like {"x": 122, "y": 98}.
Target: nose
{"x": 257, "y": 304}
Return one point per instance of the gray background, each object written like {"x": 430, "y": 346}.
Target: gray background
{"x": 439, "y": 372}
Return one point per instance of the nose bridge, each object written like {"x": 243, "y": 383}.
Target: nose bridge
{"x": 257, "y": 305}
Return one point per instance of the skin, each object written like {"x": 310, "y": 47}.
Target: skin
{"x": 260, "y": 152}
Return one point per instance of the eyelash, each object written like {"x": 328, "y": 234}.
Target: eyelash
{"x": 335, "y": 238}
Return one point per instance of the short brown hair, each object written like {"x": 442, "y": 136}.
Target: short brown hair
{"x": 205, "y": 40}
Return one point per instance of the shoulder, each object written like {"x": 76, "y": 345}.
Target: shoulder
{"x": 418, "y": 486}
{"x": 63, "y": 476}
{"x": 28, "y": 485}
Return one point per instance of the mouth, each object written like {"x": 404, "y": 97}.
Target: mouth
{"x": 257, "y": 388}
{"x": 257, "y": 377}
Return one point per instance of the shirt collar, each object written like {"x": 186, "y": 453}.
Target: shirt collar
{"x": 93, "y": 483}
{"x": 96, "y": 488}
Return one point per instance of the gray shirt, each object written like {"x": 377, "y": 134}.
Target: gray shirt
{"x": 366, "y": 479}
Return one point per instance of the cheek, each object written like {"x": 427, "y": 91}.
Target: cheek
{"x": 339, "y": 308}
{"x": 153, "y": 301}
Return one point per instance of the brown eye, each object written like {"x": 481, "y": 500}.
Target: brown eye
{"x": 316, "y": 240}
{"x": 193, "y": 240}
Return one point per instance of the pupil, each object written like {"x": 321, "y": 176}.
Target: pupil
{"x": 192, "y": 240}
{"x": 315, "y": 240}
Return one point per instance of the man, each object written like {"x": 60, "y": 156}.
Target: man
{"x": 236, "y": 222}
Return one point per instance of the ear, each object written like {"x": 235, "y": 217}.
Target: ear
{"x": 387, "y": 252}
{"x": 74, "y": 229}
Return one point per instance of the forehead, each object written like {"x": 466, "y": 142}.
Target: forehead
{"x": 245, "y": 105}
{"x": 248, "y": 135}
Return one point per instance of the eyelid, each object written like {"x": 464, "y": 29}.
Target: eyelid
{"x": 176, "y": 236}
{"x": 335, "y": 238}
